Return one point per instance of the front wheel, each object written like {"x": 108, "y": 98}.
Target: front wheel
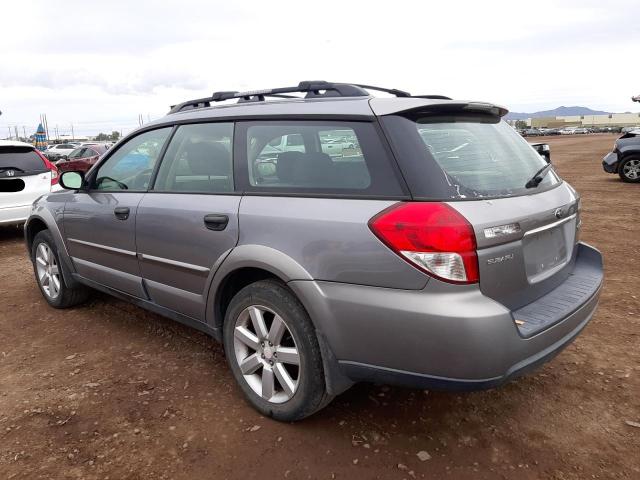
{"x": 273, "y": 352}
{"x": 46, "y": 266}
{"x": 629, "y": 170}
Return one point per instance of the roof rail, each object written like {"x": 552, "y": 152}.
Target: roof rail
{"x": 392, "y": 91}
{"x": 312, "y": 88}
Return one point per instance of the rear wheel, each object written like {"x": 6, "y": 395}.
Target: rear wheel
{"x": 629, "y": 170}
{"x": 273, "y": 352}
{"x": 46, "y": 265}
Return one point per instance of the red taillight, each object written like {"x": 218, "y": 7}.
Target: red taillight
{"x": 51, "y": 167}
{"x": 431, "y": 236}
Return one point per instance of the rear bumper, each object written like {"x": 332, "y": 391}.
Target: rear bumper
{"x": 14, "y": 215}
{"x": 610, "y": 162}
{"x": 442, "y": 337}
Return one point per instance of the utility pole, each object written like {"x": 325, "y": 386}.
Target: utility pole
{"x": 15, "y": 129}
{"x": 10, "y": 137}
{"x": 24, "y": 132}
{"x": 73, "y": 135}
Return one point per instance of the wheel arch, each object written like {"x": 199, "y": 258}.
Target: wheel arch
{"x": 245, "y": 264}
{"x": 32, "y": 227}
{"x": 248, "y": 263}
{"x": 37, "y": 223}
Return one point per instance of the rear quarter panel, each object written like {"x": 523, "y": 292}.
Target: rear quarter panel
{"x": 329, "y": 238}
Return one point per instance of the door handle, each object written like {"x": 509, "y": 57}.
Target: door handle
{"x": 216, "y": 222}
{"x": 121, "y": 213}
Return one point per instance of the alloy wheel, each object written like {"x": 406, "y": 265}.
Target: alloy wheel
{"x": 48, "y": 271}
{"x": 267, "y": 354}
{"x": 631, "y": 169}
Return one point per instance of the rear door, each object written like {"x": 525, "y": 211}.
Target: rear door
{"x": 188, "y": 222}
{"x": 100, "y": 223}
{"x": 23, "y": 178}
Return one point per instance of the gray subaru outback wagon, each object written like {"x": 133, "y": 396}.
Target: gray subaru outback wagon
{"x": 328, "y": 237}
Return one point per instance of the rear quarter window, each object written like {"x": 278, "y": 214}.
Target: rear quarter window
{"x": 21, "y": 160}
{"x": 316, "y": 157}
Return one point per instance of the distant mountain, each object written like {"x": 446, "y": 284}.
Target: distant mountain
{"x": 557, "y": 112}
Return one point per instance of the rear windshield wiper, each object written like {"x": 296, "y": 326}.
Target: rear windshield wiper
{"x": 538, "y": 177}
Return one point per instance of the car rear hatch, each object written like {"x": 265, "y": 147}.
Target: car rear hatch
{"x": 526, "y": 245}
{"x": 23, "y": 176}
{"x": 526, "y": 238}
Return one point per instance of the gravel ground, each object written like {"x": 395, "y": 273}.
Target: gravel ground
{"x": 108, "y": 390}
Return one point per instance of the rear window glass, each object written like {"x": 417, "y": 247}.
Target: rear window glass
{"x": 305, "y": 156}
{"x": 20, "y": 160}
{"x": 481, "y": 157}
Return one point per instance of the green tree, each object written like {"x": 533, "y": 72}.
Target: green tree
{"x": 521, "y": 124}
{"x": 102, "y": 137}
{"x": 115, "y": 136}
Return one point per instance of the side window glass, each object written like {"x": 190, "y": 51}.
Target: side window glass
{"x": 130, "y": 167}
{"x": 199, "y": 159}
{"x": 77, "y": 153}
{"x": 335, "y": 162}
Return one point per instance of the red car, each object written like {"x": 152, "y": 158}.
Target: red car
{"x": 82, "y": 158}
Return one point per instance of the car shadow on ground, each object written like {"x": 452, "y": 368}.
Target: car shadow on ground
{"x": 11, "y": 233}
{"x": 373, "y": 413}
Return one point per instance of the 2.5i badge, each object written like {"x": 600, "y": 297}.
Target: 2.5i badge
{"x": 501, "y": 259}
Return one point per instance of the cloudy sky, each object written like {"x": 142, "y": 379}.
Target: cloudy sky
{"x": 98, "y": 65}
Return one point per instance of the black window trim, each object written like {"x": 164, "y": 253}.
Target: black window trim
{"x": 240, "y": 162}
{"x": 241, "y": 170}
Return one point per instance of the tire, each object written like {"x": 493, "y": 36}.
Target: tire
{"x": 632, "y": 165}
{"x": 258, "y": 307}
{"x": 55, "y": 292}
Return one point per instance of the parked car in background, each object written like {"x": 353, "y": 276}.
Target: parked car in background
{"x": 59, "y": 151}
{"x": 107, "y": 145}
{"x": 624, "y": 159}
{"x": 532, "y": 132}
{"x": 581, "y": 131}
{"x": 568, "y": 130}
{"x": 332, "y": 146}
{"x": 25, "y": 174}
{"x": 444, "y": 254}
{"x": 82, "y": 158}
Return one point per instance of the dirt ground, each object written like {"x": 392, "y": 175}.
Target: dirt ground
{"x": 108, "y": 390}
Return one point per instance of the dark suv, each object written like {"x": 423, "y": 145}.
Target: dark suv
{"x": 331, "y": 239}
{"x": 624, "y": 159}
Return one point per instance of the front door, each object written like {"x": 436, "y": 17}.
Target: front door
{"x": 99, "y": 222}
{"x": 188, "y": 222}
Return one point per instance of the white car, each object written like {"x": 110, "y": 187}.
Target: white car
{"x": 60, "y": 151}
{"x": 25, "y": 175}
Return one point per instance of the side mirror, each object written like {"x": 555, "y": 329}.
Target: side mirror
{"x": 72, "y": 180}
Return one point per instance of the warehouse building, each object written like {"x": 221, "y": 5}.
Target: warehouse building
{"x": 610, "y": 120}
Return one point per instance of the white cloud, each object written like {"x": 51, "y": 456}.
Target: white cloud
{"x": 99, "y": 65}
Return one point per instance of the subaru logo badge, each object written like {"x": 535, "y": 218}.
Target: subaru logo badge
{"x": 558, "y": 212}
{"x": 10, "y": 173}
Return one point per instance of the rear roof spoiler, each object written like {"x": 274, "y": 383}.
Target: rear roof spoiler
{"x": 391, "y": 106}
